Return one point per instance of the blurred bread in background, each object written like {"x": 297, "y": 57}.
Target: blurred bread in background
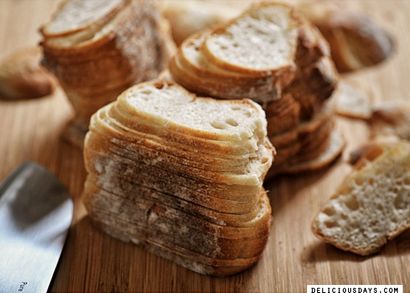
{"x": 22, "y": 76}
{"x": 97, "y": 49}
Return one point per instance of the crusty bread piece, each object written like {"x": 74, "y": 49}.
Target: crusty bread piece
{"x": 192, "y": 69}
{"x": 371, "y": 206}
{"x": 22, "y": 76}
{"x": 165, "y": 103}
{"x": 269, "y": 31}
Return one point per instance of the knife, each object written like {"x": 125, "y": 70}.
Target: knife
{"x": 36, "y": 211}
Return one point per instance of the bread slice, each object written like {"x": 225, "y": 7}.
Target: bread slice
{"x": 269, "y": 31}
{"x": 191, "y": 68}
{"x": 371, "y": 206}
{"x": 77, "y": 15}
{"x": 180, "y": 146}
{"x": 165, "y": 103}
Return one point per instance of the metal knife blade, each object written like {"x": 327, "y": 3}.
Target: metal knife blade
{"x": 35, "y": 213}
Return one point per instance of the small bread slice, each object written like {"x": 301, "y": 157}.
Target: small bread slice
{"x": 371, "y": 206}
{"x": 78, "y": 15}
{"x": 268, "y": 30}
{"x": 191, "y": 68}
{"x": 169, "y": 108}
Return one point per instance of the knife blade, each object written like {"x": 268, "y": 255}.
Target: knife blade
{"x": 36, "y": 211}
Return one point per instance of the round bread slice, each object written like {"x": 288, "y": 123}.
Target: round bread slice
{"x": 261, "y": 41}
{"x": 170, "y": 105}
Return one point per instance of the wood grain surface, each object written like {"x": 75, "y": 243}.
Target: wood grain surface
{"x": 293, "y": 258}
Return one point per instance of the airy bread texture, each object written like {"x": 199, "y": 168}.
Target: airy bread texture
{"x": 97, "y": 49}
{"x": 170, "y": 170}
{"x": 371, "y": 206}
{"x": 22, "y": 76}
{"x": 77, "y": 15}
{"x": 269, "y": 32}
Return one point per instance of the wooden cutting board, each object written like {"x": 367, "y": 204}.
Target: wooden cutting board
{"x": 293, "y": 258}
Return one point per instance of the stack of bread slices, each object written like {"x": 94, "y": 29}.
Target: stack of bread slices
{"x": 99, "y": 48}
{"x": 272, "y": 55}
{"x": 181, "y": 175}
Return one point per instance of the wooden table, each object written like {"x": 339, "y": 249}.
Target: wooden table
{"x": 293, "y": 258}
